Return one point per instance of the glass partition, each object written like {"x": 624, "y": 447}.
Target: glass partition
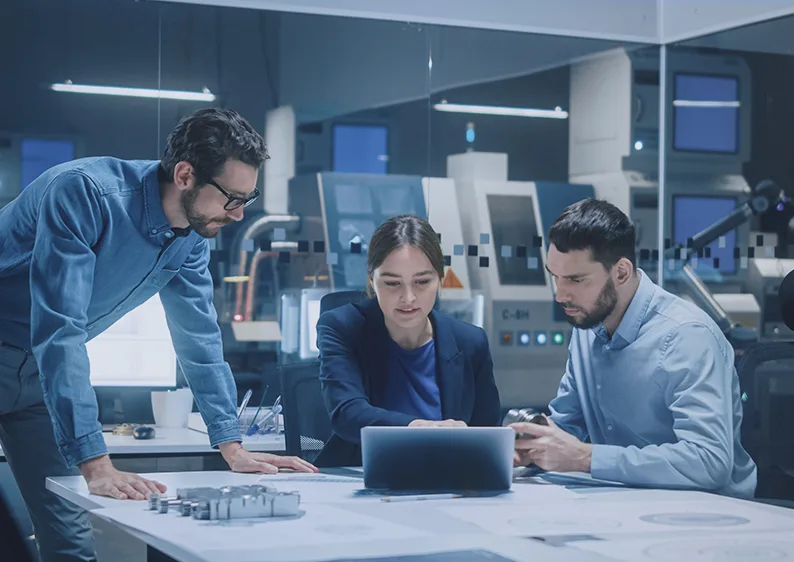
{"x": 727, "y": 220}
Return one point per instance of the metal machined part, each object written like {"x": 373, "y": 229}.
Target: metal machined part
{"x": 152, "y": 498}
{"x": 190, "y": 493}
{"x": 227, "y": 502}
{"x": 186, "y": 508}
{"x": 164, "y": 504}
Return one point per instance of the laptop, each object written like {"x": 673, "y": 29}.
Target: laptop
{"x": 434, "y": 459}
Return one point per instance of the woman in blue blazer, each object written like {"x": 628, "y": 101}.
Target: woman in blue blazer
{"x": 393, "y": 360}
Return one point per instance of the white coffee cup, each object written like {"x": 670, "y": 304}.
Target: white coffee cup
{"x": 172, "y": 408}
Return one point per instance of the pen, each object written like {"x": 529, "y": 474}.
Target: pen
{"x": 256, "y": 415}
{"x": 392, "y": 499}
{"x": 244, "y": 403}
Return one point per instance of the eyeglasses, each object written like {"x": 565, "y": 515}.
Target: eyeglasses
{"x": 235, "y": 201}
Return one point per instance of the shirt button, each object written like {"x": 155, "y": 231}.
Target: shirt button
{"x": 609, "y": 427}
{"x": 153, "y": 231}
{"x": 169, "y": 234}
{"x": 598, "y": 386}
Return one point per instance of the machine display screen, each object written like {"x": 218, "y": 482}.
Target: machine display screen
{"x": 513, "y": 225}
{"x": 355, "y": 205}
{"x": 693, "y": 214}
{"x": 706, "y": 114}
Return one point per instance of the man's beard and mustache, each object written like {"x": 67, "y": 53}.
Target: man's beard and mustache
{"x": 197, "y": 222}
{"x": 604, "y": 306}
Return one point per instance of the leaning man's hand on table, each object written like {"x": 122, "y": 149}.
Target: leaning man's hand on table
{"x": 550, "y": 448}
{"x": 240, "y": 460}
{"x": 104, "y": 480}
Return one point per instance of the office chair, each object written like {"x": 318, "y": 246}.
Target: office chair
{"x": 340, "y": 298}
{"x": 12, "y": 543}
{"x": 763, "y": 368}
{"x": 307, "y": 425}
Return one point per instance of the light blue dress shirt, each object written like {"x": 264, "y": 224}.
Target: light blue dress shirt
{"x": 81, "y": 246}
{"x": 659, "y": 400}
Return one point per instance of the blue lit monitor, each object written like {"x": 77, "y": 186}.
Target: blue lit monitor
{"x": 360, "y": 149}
{"x": 39, "y": 155}
{"x": 706, "y": 114}
{"x": 693, "y": 214}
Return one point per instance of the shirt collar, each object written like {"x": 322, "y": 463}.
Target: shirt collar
{"x": 156, "y": 221}
{"x": 635, "y": 314}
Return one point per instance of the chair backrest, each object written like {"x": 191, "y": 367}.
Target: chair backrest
{"x": 340, "y": 298}
{"x": 13, "y": 542}
{"x": 766, "y": 377}
{"x": 307, "y": 425}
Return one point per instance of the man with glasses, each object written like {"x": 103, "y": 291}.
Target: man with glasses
{"x": 81, "y": 246}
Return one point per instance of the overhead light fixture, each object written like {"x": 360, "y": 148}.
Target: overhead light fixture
{"x": 693, "y": 103}
{"x": 67, "y": 86}
{"x": 556, "y": 113}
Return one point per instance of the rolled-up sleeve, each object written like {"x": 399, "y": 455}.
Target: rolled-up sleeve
{"x": 193, "y": 323}
{"x": 61, "y": 283}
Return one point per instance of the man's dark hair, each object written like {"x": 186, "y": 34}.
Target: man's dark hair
{"x": 207, "y": 139}
{"x": 399, "y": 231}
{"x": 597, "y": 226}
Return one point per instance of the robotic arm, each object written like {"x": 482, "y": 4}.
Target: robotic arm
{"x": 764, "y": 197}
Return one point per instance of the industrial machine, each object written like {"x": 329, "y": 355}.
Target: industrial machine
{"x": 764, "y": 278}
{"x": 614, "y": 145}
{"x": 493, "y": 230}
{"x": 492, "y": 235}
{"x": 614, "y": 136}
{"x": 504, "y": 226}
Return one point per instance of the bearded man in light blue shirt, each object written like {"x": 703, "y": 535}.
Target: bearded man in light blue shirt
{"x": 650, "y": 395}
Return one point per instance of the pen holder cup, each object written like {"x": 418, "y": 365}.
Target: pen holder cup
{"x": 268, "y": 423}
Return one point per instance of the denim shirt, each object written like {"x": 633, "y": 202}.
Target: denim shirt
{"x": 81, "y": 246}
{"x": 659, "y": 400}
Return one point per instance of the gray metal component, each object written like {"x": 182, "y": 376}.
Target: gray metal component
{"x": 152, "y": 499}
{"x": 164, "y": 504}
{"x": 228, "y": 502}
{"x": 186, "y": 508}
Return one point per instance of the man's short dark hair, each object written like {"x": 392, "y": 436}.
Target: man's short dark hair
{"x": 597, "y": 226}
{"x": 207, "y": 139}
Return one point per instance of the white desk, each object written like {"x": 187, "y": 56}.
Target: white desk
{"x": 182, "y": 441}
{"x": 340, "y": 523}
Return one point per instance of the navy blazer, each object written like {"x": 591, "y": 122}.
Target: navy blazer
{"x": 354, "y": 353}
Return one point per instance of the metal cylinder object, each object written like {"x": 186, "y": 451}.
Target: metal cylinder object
{"x": 523, "y": 415}
{"x": 152, "y": 498}
{"x": 186, "y": 508}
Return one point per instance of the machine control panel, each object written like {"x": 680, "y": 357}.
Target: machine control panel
{"x": 531, "y": 352}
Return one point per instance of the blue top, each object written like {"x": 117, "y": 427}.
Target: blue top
{"x": 356, "y": 371}
{"x": 660, "y": 400}
{"x": 81, "y": 246}
{"x": 412, "y": 388}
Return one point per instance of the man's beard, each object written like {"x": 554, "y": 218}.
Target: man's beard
{"x": 200, "y": 223}
{"x": 604, "y": 306}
